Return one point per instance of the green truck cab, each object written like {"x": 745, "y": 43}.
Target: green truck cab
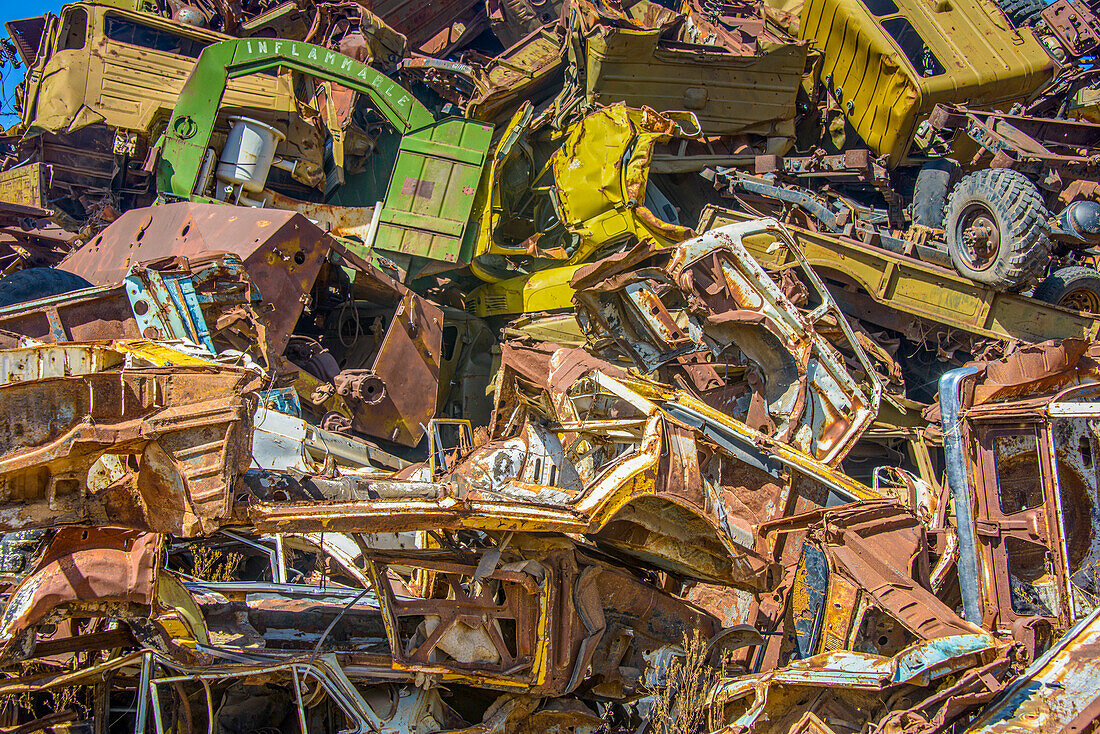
{"x": 434, "y": 166}
{"x": 435, "y": 192}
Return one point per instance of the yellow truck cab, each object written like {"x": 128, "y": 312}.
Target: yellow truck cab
{"x": 103, "y": 62}
{"x": 890, "y": 62}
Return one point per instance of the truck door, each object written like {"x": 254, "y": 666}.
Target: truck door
{"x": 1017, "y": 525}
{"x": 431, "y": 192}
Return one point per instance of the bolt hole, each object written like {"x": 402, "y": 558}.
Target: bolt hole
{"x": 141, "y": 308}
{"x": 299, "y": 257}
{"x": 883, "y": 641}
{"x": 185, "y": 230}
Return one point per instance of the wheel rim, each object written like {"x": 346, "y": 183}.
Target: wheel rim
{"x": 979, "y": 236}
{"x": 1081, "y": 299}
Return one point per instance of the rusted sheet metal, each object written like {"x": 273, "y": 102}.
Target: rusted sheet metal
{"x": 623, "y": 510}
{"x": 1036, "y": 370}
{"x": 416, "y": 20}
{"x": 730, "y": 334}
{"x": 528, "y": 70}
{"x": 647, "y": 502}
{"x": 83, "y": 572}
{"x": 384, "y": 376}
{"x": 707, "y": 72}
{"x": 541, "y": 618}
{"x": 154, "y": 446}
{"x": 1032, "y": 486}
{"x": 282, "y": 251}
{"x": 290, "y": 619}
{"x": 1075, "y": 24}
{"x": 1058, "y": 693}
{"x": 100, "y": 313}
{"x": 1025, "y": 487}
{"x": 861, "y": 583}
{"x": 1036, "y": 145}
{"x": 856, "y": 688}
{"x": 469, "y": 632}
{"x": 339, "y": 221}
{"x": 162, "y": 300}
{"x": 655, "y": 502}
{"x": 283, "y": 254}
{"x": 407, "y": 366}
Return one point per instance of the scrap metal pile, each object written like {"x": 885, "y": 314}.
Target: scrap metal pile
{"x": 677, "y": 367}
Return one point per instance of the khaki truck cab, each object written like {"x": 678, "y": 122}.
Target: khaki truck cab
{"x": 101, "y": 81}
{"x": 934, "y": 91}
{"x": 939, "y": 84}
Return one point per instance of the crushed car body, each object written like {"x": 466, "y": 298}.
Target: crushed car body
{"x": 509, "y": 366}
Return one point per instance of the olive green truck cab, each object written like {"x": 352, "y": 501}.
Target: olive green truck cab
{"x": 102, "y": 78}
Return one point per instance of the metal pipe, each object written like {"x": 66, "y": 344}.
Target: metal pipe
{"x": 154, "y": 698}
{"x": 142, "y": 704}
{"x": 970, "y": 583}
{"x": 301, "y": 706}
{"x": 209, "y": 706}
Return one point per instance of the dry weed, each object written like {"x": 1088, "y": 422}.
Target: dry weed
{"x": 215, "y": 565}
{"x": 681, "y": 689}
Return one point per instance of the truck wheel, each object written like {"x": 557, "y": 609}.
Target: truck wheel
{"x": 996, "y": 234}
{"x": 34, "y": 283}
{"x": 1021, "y": 12}
{"x": 930, "y": 194}
{"x": 1075, "y": 287}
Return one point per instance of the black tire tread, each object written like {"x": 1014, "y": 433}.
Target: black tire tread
{"x": 1072, "y": 277}
{"x": 1021, "y": 12}
{"x": 1018, "y": 203}
{"x": 34, "y": 283}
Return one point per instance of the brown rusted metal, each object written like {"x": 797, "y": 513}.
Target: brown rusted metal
{"x": 419, "y": 22}
{"x": 88, "y": 440}
{"x": 83, "y": 572}
{"x": 1028, "y": 434}
{"x": 361, "y": 385}
{"x": 1075, "y": 24}
{"x": 736, "y": 340}
{"x": 861, "y": 583}
{"x": 1037, "y": 145}
{"x": 282, "y": 251}
{"x": 542, "y": 615}
{"x": 108, "y": 312}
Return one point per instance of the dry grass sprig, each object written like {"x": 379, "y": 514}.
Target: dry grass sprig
{"x": 680, "y": 687}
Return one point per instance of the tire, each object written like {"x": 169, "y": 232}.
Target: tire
{"x": 996, "y": 229}
{"x": 1022, "y": 12}
{"x": 34, "y": 283}
{"x": 930, "y": 194}
{"x": 1075, "y": 287}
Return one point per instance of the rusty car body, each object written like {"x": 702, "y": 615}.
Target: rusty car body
{"x": 1018, "y": 443}
{"x": 129, "y": 432}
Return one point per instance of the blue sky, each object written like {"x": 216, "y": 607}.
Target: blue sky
{"x": 14, "y": 10}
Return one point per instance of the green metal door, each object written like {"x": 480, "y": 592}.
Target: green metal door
{"x": 431, "y": 193}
